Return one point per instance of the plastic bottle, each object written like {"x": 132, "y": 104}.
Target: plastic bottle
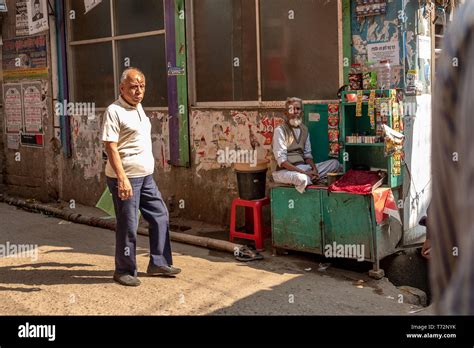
{"x": 355, "y": 77}
{"x": 384, "y": 75}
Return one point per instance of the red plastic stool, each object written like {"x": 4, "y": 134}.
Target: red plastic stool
{"x": 253, "y": 220}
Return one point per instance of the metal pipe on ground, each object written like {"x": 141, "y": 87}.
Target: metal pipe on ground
{"x": 205, "y": 242}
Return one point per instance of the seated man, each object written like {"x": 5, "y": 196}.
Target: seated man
{"x": 292, "y": 151}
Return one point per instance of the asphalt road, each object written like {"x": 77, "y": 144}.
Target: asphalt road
{"x": 71, "y": 274}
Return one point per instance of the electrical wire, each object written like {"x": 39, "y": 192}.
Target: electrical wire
{"x": 412, "y": 182}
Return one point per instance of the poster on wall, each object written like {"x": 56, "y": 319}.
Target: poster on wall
{"x": 33, "y": 107}
{"x": 3, "y": 6}
{"x": 13, "y": 105}
{"x": 366, "y": 8}
{"x": 22, "y": 18}
{"x": 424, "y": 47}
{"x": 13, "y": 141}
{"x": 381, "y": 51}
{"x": 90, "y": 4}
{"x": 37, "y": 16}
{"x": 25, "y": 58}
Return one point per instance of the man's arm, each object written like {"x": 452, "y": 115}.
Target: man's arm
{"x": 110, "y": 137}
{"x": 288, "y": 166}
{"x": 124, "y": 187}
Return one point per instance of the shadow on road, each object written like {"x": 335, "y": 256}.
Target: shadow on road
{"x": 41, "y": 274}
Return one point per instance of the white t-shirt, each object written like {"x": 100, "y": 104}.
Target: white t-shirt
{"x": 130, "y": 128}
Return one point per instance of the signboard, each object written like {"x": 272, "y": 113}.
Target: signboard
{"x": 314, "y": 117}
{"x": 32, "y": 140}
{"x": 25, "y": 58}
{"x": 175, "y": 71}
{"x": 377, "y": 52}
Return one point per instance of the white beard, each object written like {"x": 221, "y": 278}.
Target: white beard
{"x": 295, "y": 122}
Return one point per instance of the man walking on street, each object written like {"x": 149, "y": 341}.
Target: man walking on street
{"x": 127, "y": 136}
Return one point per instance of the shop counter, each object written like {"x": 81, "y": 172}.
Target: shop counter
{"x": 319, "y": 221}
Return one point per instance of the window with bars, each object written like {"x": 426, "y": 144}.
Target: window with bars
{"x": 111, "y": 36}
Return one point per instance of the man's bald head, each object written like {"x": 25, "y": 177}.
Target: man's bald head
{"x": 132, "y": 85}
{"x": 131, "y": 73}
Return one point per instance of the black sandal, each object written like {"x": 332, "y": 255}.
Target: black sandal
{"x": 246, "y": 254}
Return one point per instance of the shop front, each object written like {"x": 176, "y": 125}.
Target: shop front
{"x": 376, "y": 129}
{"x": 218, "y": 73}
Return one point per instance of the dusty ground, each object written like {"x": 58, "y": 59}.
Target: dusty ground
{"x": 73, "y": 275}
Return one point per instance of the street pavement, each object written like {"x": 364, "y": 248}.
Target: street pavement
{"x": 71, "y": 274}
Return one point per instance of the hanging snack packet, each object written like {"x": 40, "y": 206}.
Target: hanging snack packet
{"x": 393, "y": 140}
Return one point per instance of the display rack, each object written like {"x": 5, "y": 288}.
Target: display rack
{"x": 372, "y": 155}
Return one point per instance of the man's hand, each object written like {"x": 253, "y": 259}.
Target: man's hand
{"x": 125, "y": 190}
{"x": 425, "y": 250}
{"x": 313, "y": 175}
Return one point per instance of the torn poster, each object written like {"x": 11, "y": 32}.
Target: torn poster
{"x": 22, "y": 18}
{"x": 13, "y": 141}
{"x": 90, "y": 4}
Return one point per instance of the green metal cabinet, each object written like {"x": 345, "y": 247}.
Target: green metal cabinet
{"x": 317, "y": 218}
{"x": 348, "y": 220}
{"x": 296, "y": 219}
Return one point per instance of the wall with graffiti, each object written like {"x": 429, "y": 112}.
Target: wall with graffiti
{"x": 212, "y": 131}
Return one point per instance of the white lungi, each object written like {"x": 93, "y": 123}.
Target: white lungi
{"x": 301, "y": 180}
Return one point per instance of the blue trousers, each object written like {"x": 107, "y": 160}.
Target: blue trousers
{"x": 148, "y": 200}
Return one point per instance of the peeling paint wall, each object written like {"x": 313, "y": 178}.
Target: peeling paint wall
{"x": 207, "y": 187}
{"x": 212, "y": 131}
{"x": 35, "y": 174}
{"x": 160, "y": 140}
{"x": 86, "y": 145}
